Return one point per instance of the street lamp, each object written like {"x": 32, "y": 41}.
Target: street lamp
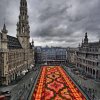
{"x": 46, "y": 58}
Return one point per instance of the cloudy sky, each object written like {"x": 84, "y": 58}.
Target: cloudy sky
{"x": 55, "y": 22}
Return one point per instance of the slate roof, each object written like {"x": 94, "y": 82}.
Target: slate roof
{"x": 13, "y": 43}
{"x": 94, "y": 44}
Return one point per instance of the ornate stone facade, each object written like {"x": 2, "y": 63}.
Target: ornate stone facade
{"x": 71, "y": 55}
{"x": 88, "y": 58}
{"x": 16, "y": 53}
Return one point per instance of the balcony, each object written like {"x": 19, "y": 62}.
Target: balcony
{"x": 89, "y": 59}
{"x": 89, "y": 52}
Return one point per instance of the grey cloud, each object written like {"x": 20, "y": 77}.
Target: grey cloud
{"x": 57, "y": 22}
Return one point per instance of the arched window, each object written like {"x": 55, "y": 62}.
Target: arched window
{"x": 93, "y": 72}
{"x": 23, "y": 29}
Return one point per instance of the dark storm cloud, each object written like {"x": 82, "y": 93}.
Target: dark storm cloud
{"x": 55, "y": 22}
{"x": 8, "y": 14}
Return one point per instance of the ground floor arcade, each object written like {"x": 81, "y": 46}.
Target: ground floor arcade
{"x": 91, "y": 71}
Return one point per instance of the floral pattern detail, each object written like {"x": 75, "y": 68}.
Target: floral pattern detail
{"x": 48, "y": 94}
{"x": 53, "y": 76}
{"x": 48, "y": 80}
{"x": 65, "y": 93}
{"x": 58, "y": 98}
{"x": 55, "y": 84}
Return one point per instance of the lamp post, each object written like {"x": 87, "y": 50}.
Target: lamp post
{"x": 46, "y": 58}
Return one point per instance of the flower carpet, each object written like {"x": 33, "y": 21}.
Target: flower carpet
{"x": 55, "y": 84}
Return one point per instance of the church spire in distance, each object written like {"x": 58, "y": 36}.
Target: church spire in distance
{"x": 86, "y": 38}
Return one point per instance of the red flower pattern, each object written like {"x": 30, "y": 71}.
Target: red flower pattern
{"x": 55, "y": 84}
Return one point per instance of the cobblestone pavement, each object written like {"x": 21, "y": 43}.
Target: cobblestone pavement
{"x": 90, "y": 86}
{"x": 22, "y": 89}
{"x": 7, "y": 88}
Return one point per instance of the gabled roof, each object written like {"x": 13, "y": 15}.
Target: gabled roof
{"x": 13, "y": 43}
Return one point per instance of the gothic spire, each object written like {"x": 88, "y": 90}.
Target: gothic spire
{"x": 86, "y": 38}
{"x": 4, "y": 27}
{"x": 23, "y": 28}
{"x": 32, "y": 43}
{"x": 4, "y": 30}
{"x": 86, "y": 35}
